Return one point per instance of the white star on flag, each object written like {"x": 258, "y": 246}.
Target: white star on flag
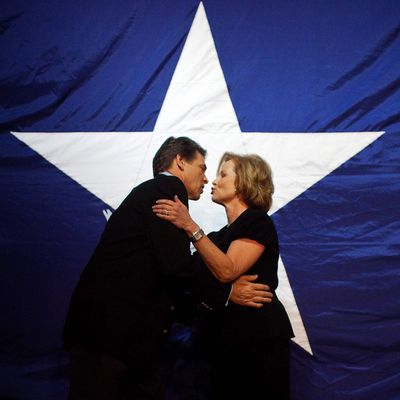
{"x": 198, "y": 105}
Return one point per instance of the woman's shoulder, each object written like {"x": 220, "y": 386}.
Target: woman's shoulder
{"x": 255, "y": 215}
{"x": 255, "y": 224}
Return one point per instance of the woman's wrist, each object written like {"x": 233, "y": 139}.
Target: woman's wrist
{"x": 191, "y": 228}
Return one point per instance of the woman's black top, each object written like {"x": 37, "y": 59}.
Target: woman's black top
{"x": 235, "y": 324}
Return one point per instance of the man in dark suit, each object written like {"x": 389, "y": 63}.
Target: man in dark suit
{"x": 122, "y": 307}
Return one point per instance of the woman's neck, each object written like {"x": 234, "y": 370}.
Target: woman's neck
{"x": 234, "y": 209}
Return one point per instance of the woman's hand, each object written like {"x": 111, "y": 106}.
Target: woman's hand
{"x": 176, "y": 212}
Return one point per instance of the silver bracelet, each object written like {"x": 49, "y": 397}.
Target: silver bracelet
{"x": 196, "y": 236}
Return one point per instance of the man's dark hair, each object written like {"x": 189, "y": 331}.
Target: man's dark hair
{"x": 183, "y": 146}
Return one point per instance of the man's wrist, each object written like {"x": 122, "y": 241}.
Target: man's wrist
{"x": 229, "y": 297}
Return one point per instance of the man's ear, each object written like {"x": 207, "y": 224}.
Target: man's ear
{"x": 180, "y": 162}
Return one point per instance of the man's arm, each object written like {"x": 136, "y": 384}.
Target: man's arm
{"x": 170, "y": 248}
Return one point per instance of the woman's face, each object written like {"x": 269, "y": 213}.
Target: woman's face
{"x": 224, "y": 189}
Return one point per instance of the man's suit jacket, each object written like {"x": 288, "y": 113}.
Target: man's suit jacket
{"x": 123, "y": 302}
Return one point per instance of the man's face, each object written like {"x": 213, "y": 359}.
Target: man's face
{"x": 194, "y": 176}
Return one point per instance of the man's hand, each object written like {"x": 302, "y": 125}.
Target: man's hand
{"x": 247, "y": 293}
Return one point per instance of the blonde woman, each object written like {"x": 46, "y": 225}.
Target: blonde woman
{"x": 250, "y": 348}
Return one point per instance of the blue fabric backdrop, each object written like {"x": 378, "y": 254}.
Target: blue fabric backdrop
{"x": 305, "y": 66}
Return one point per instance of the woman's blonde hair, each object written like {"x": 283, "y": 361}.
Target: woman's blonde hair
{"x": 253, "y": 179}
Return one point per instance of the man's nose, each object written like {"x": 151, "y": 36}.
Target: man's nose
{"x": 205, "y": 179}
